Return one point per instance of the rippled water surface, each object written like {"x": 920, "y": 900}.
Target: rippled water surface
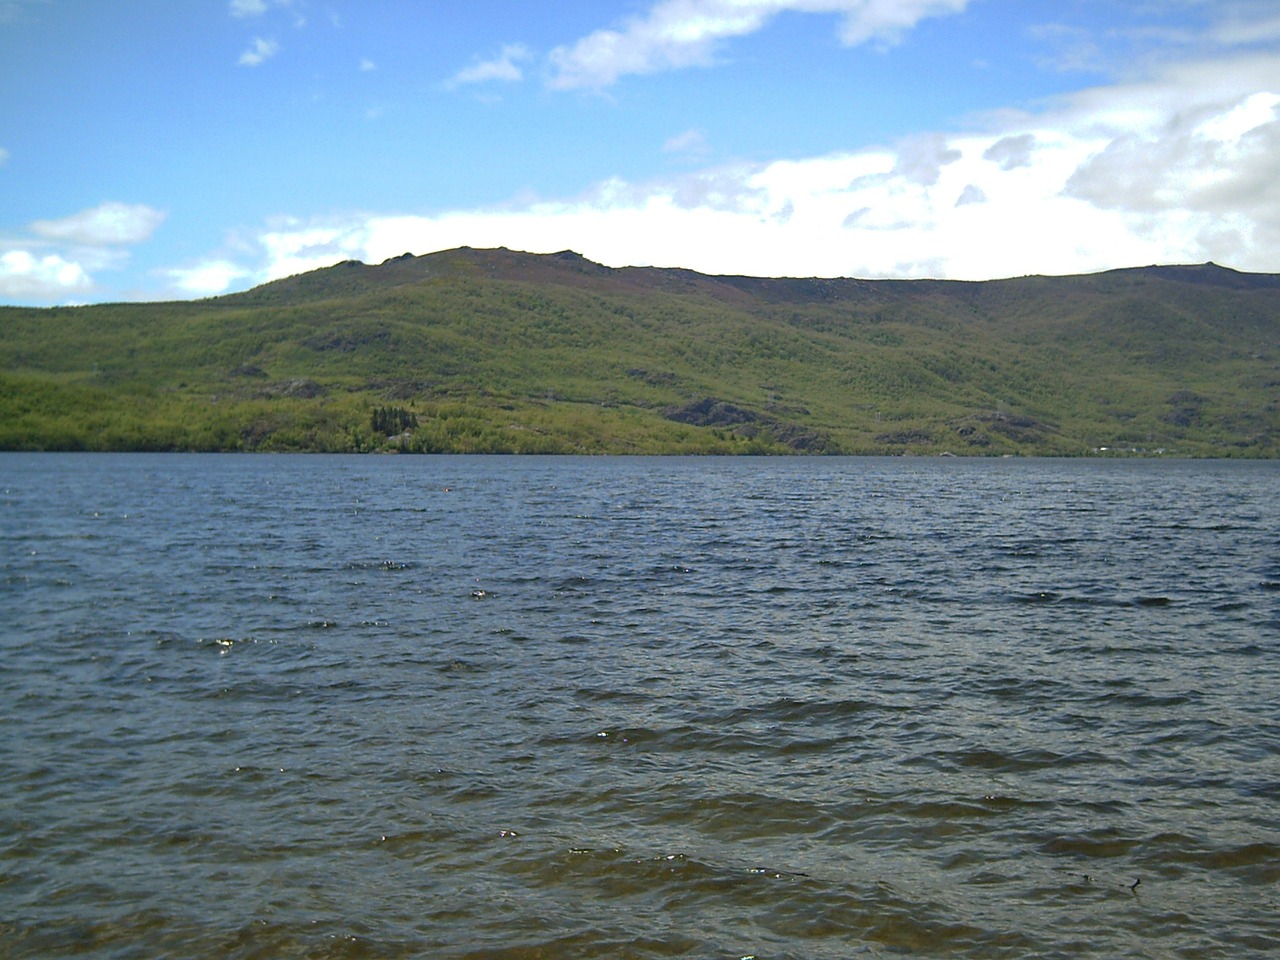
{"x": 259, "y": 707}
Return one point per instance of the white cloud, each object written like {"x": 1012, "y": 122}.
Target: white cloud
{"x": 1252, "y": 113}
{"x": 292, "y": 246}
{"x": 4, "y": 155}
{"x": 107, "y": 224}
{"x": 207, "y": 279}
{"x": 1179, "y": 168}
{"x": 1206, "y": 175}
{"x": 367, "y": 65}
{"x": 503, "y": 67}
{"x": 686, "y": 33}
{"x": 25, "y": 275}
{"x": 261, "y": 51}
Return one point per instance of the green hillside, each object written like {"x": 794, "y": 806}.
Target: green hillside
{"x": 497, "y": 351}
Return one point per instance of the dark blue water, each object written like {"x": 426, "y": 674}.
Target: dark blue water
{"x": 259, "y": 707}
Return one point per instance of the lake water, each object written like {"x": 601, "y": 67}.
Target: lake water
{"x": 344, "y": 707}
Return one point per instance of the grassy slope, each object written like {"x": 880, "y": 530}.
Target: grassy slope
{"x": 495, "y": 350}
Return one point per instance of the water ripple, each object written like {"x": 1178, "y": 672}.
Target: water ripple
{"x": 260, "y": 707}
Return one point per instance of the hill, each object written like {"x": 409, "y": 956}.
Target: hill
{"x": 495, "y": 350}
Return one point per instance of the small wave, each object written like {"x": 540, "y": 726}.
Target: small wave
{"x": 949, "y": 809}
{"x": 693, "y": 739}
{"x": 757, "y": 815}
{"x": 1142, "y": 699}
{"x": 1243, "y": 858}
{"x": 577, "y": 584}
{"x": 1020, "y": 689}
{"x": 878, "y": 915}
{"x": 1099, "y": 844}
{"x": 610, "y": 695}
{"x": 1011, "y": 762}
{"x": 1231, "y": 606}
{"x": 788, "y": 710}
{"x": 617, "y": 872}
{"x": 1040, "y": 596}
{"x": 1257, "y": 863}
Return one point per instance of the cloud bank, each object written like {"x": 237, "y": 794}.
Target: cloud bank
{"x": 1178, "y": 167}
{"x": 1174, "y": 163}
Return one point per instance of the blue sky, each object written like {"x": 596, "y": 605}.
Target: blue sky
{"x": 172, "y": 149}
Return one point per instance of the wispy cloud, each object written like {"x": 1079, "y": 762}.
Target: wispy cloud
{"x": 1248, "y": 29}
{"x": 248, "y": 8}
{"x": 261, "y": 51}
{"x": 14, "y": 10}
{"x": 504, "y": 67}
{"x": 675, "y": 34}
{"x": 1162, "y": 31}
{"x": 108, "y": 224}
{"x": 692, "y": 142}
{"x": 255, "y": 8}
{"x": 1069, "y": 48}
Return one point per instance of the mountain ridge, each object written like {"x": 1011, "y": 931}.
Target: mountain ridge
{"x": 568, "y": 266}
{"x": 492, "y": 350}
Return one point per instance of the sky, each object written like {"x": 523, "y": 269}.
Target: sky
{"x": 179, "y": 149}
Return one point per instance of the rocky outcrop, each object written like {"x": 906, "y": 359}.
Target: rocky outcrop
{"x": 745, "y": 422}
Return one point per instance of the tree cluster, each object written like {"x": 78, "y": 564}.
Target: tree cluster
{"x": 390, "y": 421}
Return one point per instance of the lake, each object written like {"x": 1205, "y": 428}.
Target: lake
{"x": 517, "y": 708}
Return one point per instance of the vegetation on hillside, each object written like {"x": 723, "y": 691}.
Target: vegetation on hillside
{"x": 497, "y": 351}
